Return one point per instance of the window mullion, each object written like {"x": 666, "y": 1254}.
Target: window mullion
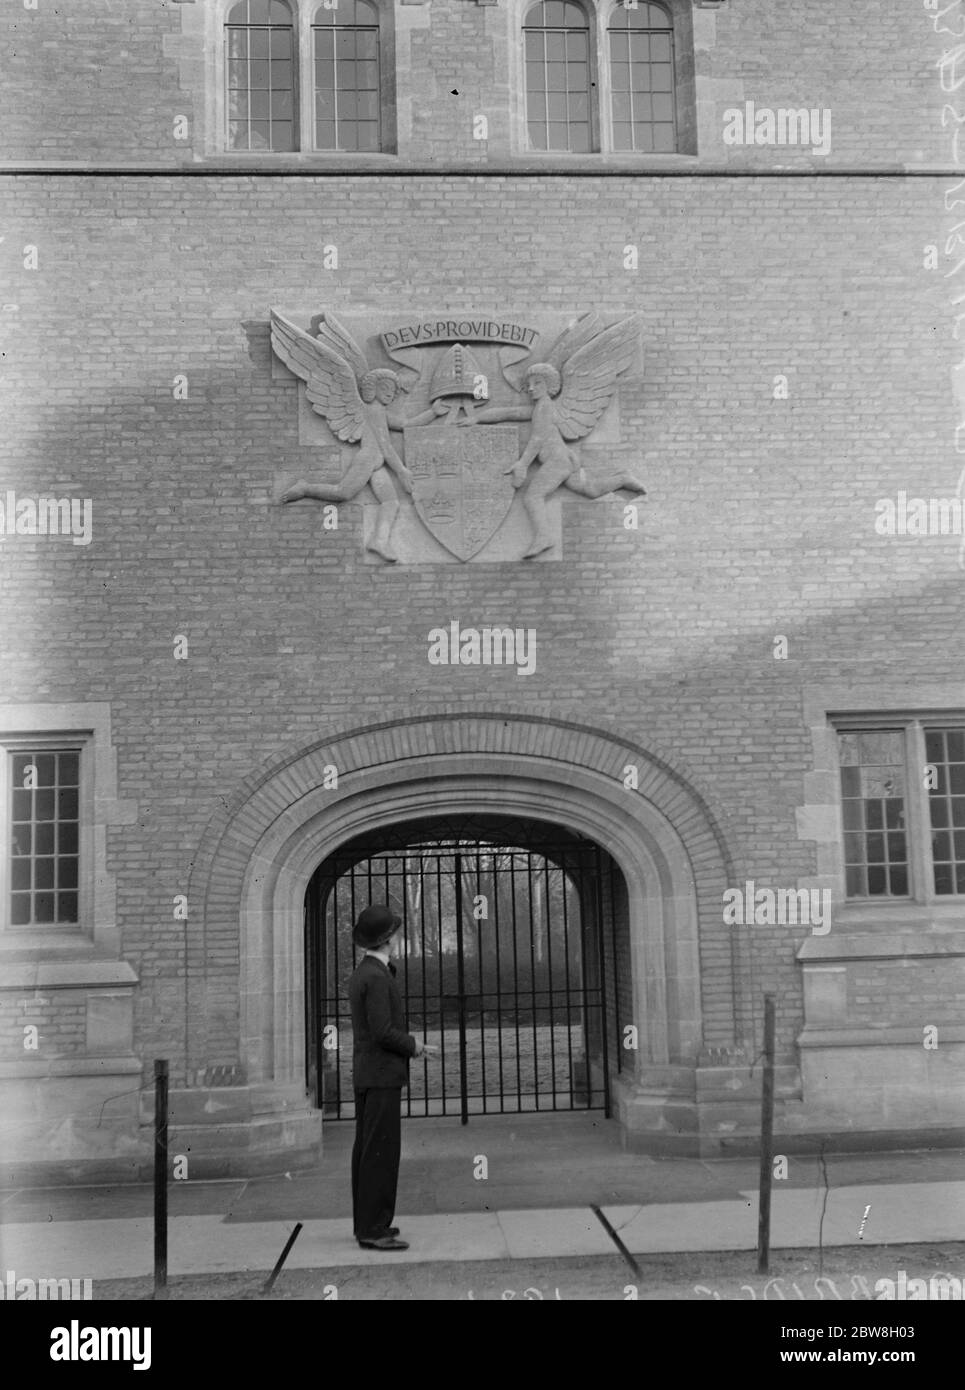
{"x": 6, "y": 832}
{"x": 303, "y": 80}
{"x": 335, "y": 88}
{"x": 919, "y": 818}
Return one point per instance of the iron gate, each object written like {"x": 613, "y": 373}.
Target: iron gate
{"x": 502, "y": 967}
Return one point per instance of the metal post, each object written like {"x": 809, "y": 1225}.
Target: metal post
{"x": 160, "y": 1179}
{"x": 767, "y": 1139}
{"x": 461, "y": 983}
{"x": 270, "y": 1281}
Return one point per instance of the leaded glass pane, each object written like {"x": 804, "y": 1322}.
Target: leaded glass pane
{"x": 42, "y": 848}
{"x": 873, "y": 811}
{"x": 260, "y": 78}
{"x": 557, "y": 77}
{"x": 946, "y": 804}
{"x": 641, "y": 62}
{"x": 347, "y": 82}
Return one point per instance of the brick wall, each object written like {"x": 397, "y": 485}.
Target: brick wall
{"x": 759, "y": 518}
{"x": 60, "y": 1021}
{"x": 103, "y": 81}
{"x": 90, "y": 81}
{"x": 909, "y": 993}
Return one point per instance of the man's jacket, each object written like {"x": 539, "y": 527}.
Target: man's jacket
{"x": 382, "y": 1046}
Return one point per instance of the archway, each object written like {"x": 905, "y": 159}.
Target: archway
{"x": 513, "y": 961}
{"x": 257, "y": 859}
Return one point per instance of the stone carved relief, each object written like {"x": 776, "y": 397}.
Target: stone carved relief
{"x": 446, "y": 485}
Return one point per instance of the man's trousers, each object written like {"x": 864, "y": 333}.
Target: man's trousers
{"x": 375, "y": 1160}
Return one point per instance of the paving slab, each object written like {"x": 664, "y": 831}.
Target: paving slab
{"x": 545, "y": 1233}
{"x": 123, "y": 1249}
{"x": 900, "y": 1213}
{"x": 679, "y": 1226}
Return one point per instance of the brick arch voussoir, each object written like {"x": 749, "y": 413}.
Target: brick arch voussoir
{"x": 270, "y": 791}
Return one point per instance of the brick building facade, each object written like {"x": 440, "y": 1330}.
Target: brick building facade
{"x": 740, "y": 677}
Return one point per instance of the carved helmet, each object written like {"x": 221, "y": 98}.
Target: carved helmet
{"x": 456, "y": 374}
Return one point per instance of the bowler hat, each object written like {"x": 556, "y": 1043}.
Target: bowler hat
{"x": 375, "y": 925}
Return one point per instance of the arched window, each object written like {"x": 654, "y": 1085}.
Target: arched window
{"x": 260, "y": 76}
{"x": 347, "y": 78}
{"x": 557, "y": 38}
{"x": 642, "y": 78}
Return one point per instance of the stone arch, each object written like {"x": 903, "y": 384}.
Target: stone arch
{"x": 256, "y": 859}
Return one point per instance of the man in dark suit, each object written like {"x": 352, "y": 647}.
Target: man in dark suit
{"x": 380, "y": 1069}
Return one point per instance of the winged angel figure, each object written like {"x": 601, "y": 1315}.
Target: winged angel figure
{"x": 568, "y": 393}
{"x": 355, "y": 399}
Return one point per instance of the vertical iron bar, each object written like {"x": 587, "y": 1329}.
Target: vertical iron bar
{"x": 512, "y": 898}
{"x": 405, "y": 956}
{"x": 438, "y": 922}
{"x": 499, "y": 983}
{"x": 767, "y": 1140}
{"x": 442, "y": 981}
{"x": 603, "y": 1019}
{"x": 549, "y": 967}
{"x": 160, "y": 1179}
{"x": 423, "y": 958}
{"x": 584, "y": 986}
{"x": 566, "y": 963}
{"x": 532, "y": 975}
{"x": 336, "y": 992}
{"x": 482, "y": 984}
{"x": 461, "y": 973}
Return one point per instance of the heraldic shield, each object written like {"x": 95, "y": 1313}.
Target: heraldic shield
{"x": 461, "y": 489}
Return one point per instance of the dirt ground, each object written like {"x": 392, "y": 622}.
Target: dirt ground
{"x": 842, "y": 1274}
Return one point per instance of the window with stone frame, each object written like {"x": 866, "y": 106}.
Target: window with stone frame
{"x": 43, "y": 800}
{"x": 260, "y": 73}
{"x": 642, "y": 97}
{"x": 607, "y": 78}
{"x": 902, "y": 786}
{"x": 347, "y": 77}
{"x": 556, "y": 34}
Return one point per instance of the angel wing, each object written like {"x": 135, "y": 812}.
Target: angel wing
{"x": 330, "y": 365}
{"x": 566, "y": 344}
{"x": 577, "y": 335}
{"x": 589, "y": 361}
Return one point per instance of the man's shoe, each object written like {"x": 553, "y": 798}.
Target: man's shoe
{"x": 384, "y": 1243}
{"x": 392, "y": 1231}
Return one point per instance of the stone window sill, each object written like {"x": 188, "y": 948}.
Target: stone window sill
{"x": 96, "y": 973}
{"x": 891, "y": 940}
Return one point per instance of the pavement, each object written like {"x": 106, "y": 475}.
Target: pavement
{"x": 500, "y": 1188}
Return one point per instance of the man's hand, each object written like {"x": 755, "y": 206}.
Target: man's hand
{"x": 425, "y": 1049}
